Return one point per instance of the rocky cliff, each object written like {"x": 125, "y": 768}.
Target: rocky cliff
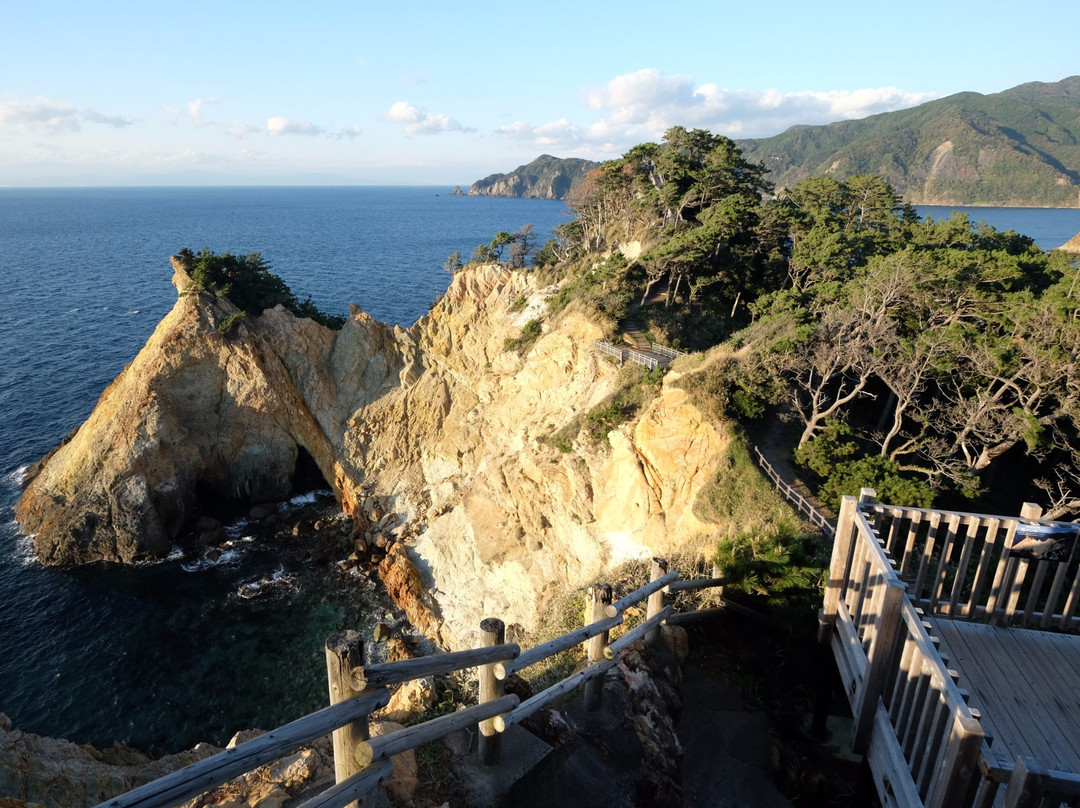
{"x": 546, "y": 177}
{"x": 440, "y": 425}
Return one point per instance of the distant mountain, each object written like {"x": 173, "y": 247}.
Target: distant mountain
{"x": 546, "y": 177}
{"x": 1017, "y": 147}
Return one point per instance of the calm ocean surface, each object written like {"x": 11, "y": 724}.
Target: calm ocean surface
{"x": 164, "y": 656}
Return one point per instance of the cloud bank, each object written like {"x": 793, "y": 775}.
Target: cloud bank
{"x": 418, "y": 121}
{"x": 54, "y": 116}
{"x": 642, "y": 105}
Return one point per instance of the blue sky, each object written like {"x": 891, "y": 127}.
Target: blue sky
{"x": 149, "y": 93}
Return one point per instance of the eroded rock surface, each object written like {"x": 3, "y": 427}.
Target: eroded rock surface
{"x": 432, "y": 438}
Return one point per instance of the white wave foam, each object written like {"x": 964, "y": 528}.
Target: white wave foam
{"x": 16, "y": 477}
{"x": 309, "y": 498}
{"x": 258, "y": 586}
{"x": 211, "y": 559}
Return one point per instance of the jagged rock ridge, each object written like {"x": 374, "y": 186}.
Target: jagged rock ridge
{"x": 546, "y": 177}
{"x": 441, "y": 420}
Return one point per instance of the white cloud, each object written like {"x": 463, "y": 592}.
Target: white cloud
{"x": 53, "y": 116}
{"x": 348, "y": 132}
{"x": 642, "y": 105}
{"x": 417, "y": 121}
{"x": 289, "y": 126}
{"x": 195, "y": 110}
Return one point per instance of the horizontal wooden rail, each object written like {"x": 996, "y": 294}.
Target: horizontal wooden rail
{"x": 193, "y": 780}
{"x": 802, "y": 505}
{"x": 552, "y": 647}
{"x": 1022, "y": 572}
{"x": 406, "y": 670}
{"x": 636, "y": 633}
{"x": 350, "y": 790}
{"x": 638, "y": 595}
{"x": 696, "y": 583}
{"x": 553, "y": 693}
{"x": 409, "y": 738}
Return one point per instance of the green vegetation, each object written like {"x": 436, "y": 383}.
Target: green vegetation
{"x": 246, "y": 280}
{"x": 530, "y": 333}
{"x": 1017, "y": 147}
{"x": 229, "y": 323}
{"x": 945, "y": 347}
{"x": 635, "y": 388}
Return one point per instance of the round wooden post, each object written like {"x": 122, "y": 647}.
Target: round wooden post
{"x": 656, "y": 599}
{"x": 493, "y": 632}
{"x": 345, "y": 651}
{"x": 597, "y": 599}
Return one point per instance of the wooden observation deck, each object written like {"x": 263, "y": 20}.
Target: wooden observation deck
{"x": 955, "y": 636}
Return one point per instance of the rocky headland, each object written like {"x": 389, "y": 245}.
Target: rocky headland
{"x": 546, "y": 177}
{"x": 432, "y": 439}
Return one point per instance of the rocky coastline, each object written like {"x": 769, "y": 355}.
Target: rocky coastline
{"x": 431, "y": 439}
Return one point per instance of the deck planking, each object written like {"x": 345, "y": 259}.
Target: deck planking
{"x": 1025, "y": 683}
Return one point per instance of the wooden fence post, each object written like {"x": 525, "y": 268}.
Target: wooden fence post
{"x": 345, "y": 651}
{"x": 492, "y": 632}
{"x": 1027, "y": 784}
{"x": 656, "y": 599}
{"x": 880, "y": 659}
{"x": 597, "y": 599}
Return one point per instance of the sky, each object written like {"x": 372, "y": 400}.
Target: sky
{"x": 430, "y": 93}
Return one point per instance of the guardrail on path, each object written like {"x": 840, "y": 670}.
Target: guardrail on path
{"x": 641, "y": 358}
{"x": 813, "y": 515}
{"x": 357, "y": 690}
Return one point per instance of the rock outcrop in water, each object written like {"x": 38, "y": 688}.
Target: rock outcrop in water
{"x": 546, "y": 177}
{"x": 442, "y": 421}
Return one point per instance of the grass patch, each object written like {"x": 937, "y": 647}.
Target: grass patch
{"x": 635, "y": 388}
{"x": 530, "y": 333}
{"x": 519, "y": 304}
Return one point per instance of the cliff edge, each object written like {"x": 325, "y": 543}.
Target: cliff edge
{"x": 441, "y": 426}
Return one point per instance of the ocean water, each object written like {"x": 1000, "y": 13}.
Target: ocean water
{"x": 163, "y": 656}
{"x": 1049, "y": 228}
{"x": 166, "y": 655}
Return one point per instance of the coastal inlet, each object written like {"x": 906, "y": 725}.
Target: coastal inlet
{"x": 217, "y": 638}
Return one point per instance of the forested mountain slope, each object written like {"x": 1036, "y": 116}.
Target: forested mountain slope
{"x": 1017, "y": 147}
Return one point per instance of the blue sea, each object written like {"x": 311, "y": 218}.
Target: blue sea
{"x": 190, "y": 649}
{"x": 166, "y": 655}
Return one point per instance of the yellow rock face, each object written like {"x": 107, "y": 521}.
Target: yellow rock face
{"x": 443, "y": 421}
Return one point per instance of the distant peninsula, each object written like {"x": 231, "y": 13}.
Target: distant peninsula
{"x": 546, "y": 177}
{"x": 1017, "y": 147}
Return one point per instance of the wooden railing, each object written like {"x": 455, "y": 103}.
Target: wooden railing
{"x": 802, "y": 505}
{"x": 890, "y": 566}
{"x": 1008, "y": 571}
{"x": 357, "y": 690}
{"x": 663, "y": 350}
{"x": 624, "y": 354}
{"x": 920, "y": 737}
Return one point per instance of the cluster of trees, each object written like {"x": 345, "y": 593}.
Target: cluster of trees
{"x": 247, "y": 281}
{"x": 925, "y": 355}
{"x": 517, "y": 246}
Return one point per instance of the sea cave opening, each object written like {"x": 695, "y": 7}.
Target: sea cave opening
{"x": 306, "y": 474}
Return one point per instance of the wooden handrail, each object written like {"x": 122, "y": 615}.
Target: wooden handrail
{"x": 503, "y": 712}
{"x": 205, "y": 774}
{"x": 802, "y": 505}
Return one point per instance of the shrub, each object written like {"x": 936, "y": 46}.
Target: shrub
{"x": 229, "y": 323}
{"x": 246, "y": 280}
{"x": 530, "y": 333}
{"x": 842, "y": 468}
